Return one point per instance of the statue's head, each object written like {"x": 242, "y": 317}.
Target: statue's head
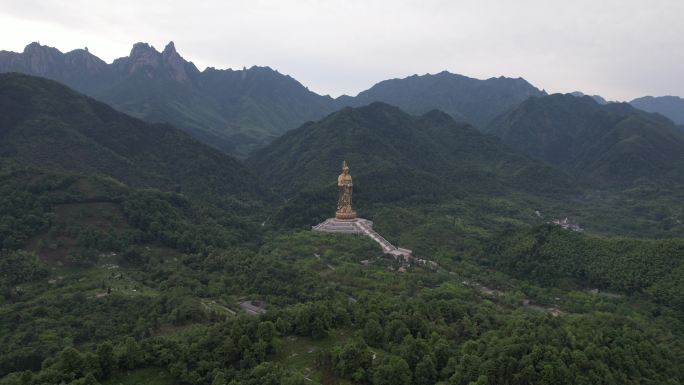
{"x": 345, "y": 167}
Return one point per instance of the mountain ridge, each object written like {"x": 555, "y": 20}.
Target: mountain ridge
{"x": 464, "y": 98}
{"x": 238, "y": 111}
{"x": 607, "y": 145}
{"x": 670, "y": 106}
{"x": 164, "y": 87}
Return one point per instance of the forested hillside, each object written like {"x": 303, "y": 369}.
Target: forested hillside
{"x": 554, "y": 257}
{"x": 163, "y": 317}
{"x": 466, "y": 99}
{"x": 613, "y": 145}
{"x": 409, "y": 152}
{"x": 669, "y": 106}
{"x": 45, "y": 124}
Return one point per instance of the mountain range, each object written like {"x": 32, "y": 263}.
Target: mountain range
{"x": 240, "y": 110}
{"x": 554, "y": 148}
{"x": 231, "y": 110}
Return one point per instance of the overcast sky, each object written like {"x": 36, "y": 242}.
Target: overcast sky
{"x": 620, "y": 49}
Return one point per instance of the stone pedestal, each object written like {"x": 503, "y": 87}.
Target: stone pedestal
{"x": 348, "y": 215}
{"x": 343, "y": 226}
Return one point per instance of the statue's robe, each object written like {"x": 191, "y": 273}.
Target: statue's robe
{"x": 345, "y": 186}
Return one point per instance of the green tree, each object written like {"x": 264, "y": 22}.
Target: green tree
{"x": 318, "y": 328}
{"x": 105, "y": 356}
{"x": 283, "y": 326}
{"x": 413, "y": 350}
{"x": 352, "y": 360}
{"x": 71, "y": 363}
{"x": 131, "y": 355}
{"x": 396, "y": 331}
{"x": 266, "y": 331}
{"x": 373, "y": 333}
{"x": 393, "y": 371}
{"x": 425, "y": 373}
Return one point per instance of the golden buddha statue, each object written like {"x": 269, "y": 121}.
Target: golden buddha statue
{"x": 344, "y": 200}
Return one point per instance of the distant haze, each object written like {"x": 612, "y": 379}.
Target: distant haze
{"x": 619, "y": 49}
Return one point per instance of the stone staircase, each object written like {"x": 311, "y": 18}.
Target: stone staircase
{"x": 384, "y": 243}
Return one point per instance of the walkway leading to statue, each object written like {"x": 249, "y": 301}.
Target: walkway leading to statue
{"x": 363, "y": 227}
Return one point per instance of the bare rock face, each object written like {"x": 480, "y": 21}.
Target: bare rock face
{"x": 143, "y": 57}
{"x": 83, "y": 60}
{"x": 174, "y": 63}
{"x": 41, "y": 59}
{"x": 36, "y": 60}
{"x": 49, "y": 62}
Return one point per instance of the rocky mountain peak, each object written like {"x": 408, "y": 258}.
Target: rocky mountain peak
{"x": 41, "y": 59}
{"x": 143, "y": 56}
{"x": 84, "y": 60}
{"x": 170, "y": 49}
{"x": 175, "y": 63}
{"x": 31, "y": 47}
{"x": 141, "y": 49}
{"x": 35, "y": 49}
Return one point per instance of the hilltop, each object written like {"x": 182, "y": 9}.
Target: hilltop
{"x": 466, "y": 99}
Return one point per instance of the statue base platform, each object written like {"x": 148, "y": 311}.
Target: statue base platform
{"x": 344, "y": 226}
{"x": 345, "y": 216}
